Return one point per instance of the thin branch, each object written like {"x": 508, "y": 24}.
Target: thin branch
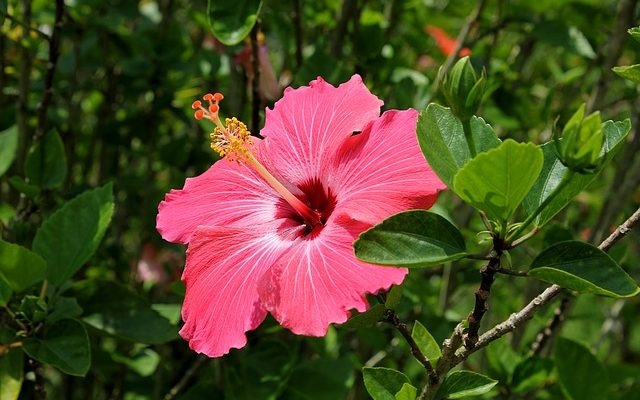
{"x": 460, "y": 41}
{"x": 392, "y": 318}
{"x": 511, "y": 272}
{"x": 182, "y": 383}
{"x": 553, "y": 325}
{"x": 526, "y": 313}
{"x": 54, "y": 46}
{"x": 488, "y": 273}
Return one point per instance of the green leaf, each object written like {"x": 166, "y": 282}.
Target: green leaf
{"x": 531, "y": 373}
{"x": 635, "y": 33}
{"x": 65, "y": 346}
{"x": 393, "y": 297}
{"x": 407, "y": 392}
{"x": 5, "y": 291}
{"x": 366, "y": 319}
{"x": 498, "y": 180}
{"x": 413, "y": 239}
{"x": 443, "y": 143}
{"x": 31, "y": 191}
{"x": 232, "y": 21}
{"x": 383, "y": 383}
{"x": 614, "y": 136}
{"x": 63, "y": 308}
{"x": 11, "y": 374}
{"x": 582, "y": 376}
{"x": 46, "y": 164}
{"x": 8, "y": 144}
{"x": 558, "y": 33}
{"x": 461, "y": 384}
{"x": 20, "y": 267}
{"x": 116, "y": 310}
{"x": 427, "y": 344}
{"x": 584, "y": 268}
{"x": 143, "y": 362}
{"x": 630, "y": 72}
{"x": 68, "y": 238}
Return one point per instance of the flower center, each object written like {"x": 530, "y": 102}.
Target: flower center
{"x": 233, "y": 140}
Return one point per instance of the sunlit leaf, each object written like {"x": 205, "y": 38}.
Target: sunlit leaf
{"x": 20, "y": 267}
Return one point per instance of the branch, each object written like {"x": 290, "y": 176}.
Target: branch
{"x": 488, "y": 273}
{"x": 392, "y": 318}
{"x": 552, "y": 326}
{"x": 518, "y": 318}
{"x": 54, "y": 46}
{"x": 460, "y": 41}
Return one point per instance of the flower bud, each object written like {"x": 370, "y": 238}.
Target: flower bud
{"x": 463, "y": 89}
{"x": 582, "y": 138}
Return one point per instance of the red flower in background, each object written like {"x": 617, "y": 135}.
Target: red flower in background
{"x": 445, "y": 43}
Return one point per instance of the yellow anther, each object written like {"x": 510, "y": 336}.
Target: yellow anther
{"x": 232, "y": 140}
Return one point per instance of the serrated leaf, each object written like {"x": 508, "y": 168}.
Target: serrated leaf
{"x": 65, "y": 345}
{"x": 68, "y": 238}
{"x": 11, "y": 374}
{"x": 461, "y": 384}
{"x": 232, "y": 21}
{"x": 20, "y": 267}
{"x": 407, "y": 392}
{"x": 630, "y": 72}
{"x": 116, "y": 310}
{"x": 412, "y": 239}
{"x": 443, "y": 143}
{"x": 383, "y": 383}
{"x": 582, "y": 376}
{"x": 584, "y": 268}
{"x": 8, "y": 144}
{"x": 46, "y": 164}
{"x": 427, "y": 344}
{"x": 497, "y": 181}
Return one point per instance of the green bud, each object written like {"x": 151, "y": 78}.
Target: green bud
{"x": 463, "y": 89}
{"x": 32, "y": 308}
{"x": 581, "y": 144}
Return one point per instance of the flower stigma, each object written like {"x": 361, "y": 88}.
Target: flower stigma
{"x": 233, "y": 140}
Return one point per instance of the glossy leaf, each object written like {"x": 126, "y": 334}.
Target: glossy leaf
{"x": 11, "y": 374}
{"x": 20, "y": 267}
{"x": 462, "y": 384}
{"x": 580, "y": 373}
{"x": 630, "y": 72}
{"x": 413, "y": 239}
{"x": 383, "y": 383}
{"x": 46, "y": 164}
{"x": 231, "y": 21}
{"x": 443, "y": 143}
{"x": 584, "y": 268}
{"x": 426, "y": 342}
{"x": 407, "y": 392}
{"x": 8, "y": 145}
{"x": 65, "y": 345}
{"x": 498, "y": 180}
{"x": 70, "y": 236}
{"x": 116, "y": 310}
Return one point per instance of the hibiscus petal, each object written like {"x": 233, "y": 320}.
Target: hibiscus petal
{"x": 222, "y": 301}
{"x": 227, "y": 194}
{"x": 310, "y": 122}
{"x": 382, "y": 171}
{"x": 319, "y": 280}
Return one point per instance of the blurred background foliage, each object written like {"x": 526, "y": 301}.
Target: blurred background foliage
{"x": 115, "y": 108}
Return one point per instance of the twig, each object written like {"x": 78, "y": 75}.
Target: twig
{"x": 178, "y": 387}
{"x": 255, "y": 83}
{"x": 526, "y": 313}
{"x": 511, "y": 272}
{"x": 615, "y": 44}
{"x": 392, "y": 318}
{"x": 54, "y": 46}
{"x": 552, "y": 326}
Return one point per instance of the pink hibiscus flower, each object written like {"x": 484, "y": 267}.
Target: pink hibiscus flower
{"x": 270, "y": 227}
